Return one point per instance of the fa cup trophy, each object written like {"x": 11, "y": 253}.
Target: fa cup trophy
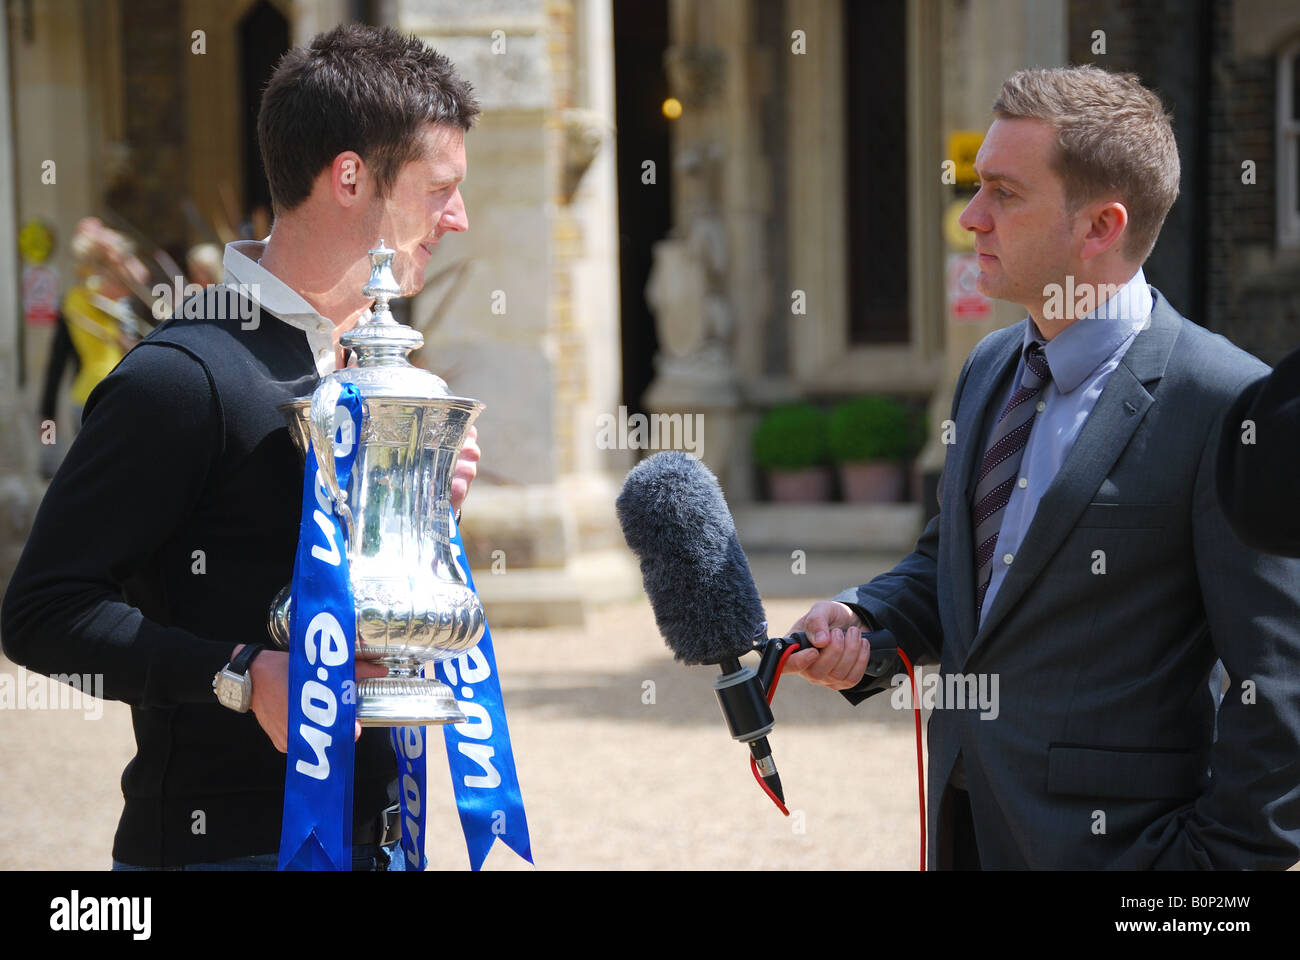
{"x": 412, "y": 601}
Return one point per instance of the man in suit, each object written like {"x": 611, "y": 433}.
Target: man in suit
{"x": 1079, "y": 555}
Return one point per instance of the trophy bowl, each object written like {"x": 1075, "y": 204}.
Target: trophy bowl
{"x": 413, "y": 604}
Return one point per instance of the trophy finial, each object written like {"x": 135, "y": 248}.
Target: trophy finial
{"x": 382, "y": 340}
{"x": 383, "y": 286}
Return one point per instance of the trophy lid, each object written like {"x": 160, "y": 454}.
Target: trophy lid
{"x": 381, "y": 344}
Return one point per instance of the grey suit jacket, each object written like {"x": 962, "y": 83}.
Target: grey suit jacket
{"x": 1103, "y": 750}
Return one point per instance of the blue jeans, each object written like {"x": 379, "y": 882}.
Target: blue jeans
{"x": 367, "y": 857}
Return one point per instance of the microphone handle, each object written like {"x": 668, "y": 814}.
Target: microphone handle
{"x": 742, "y": 694}
{"x": 883, "y": 649}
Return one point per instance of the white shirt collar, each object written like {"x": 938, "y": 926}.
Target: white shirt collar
{"x": 275, "y": 296}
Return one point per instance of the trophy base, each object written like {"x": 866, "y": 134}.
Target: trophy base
{"x": 406, "y": 702}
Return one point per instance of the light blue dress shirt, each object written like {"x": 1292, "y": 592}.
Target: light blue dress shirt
{"x": 1082, "y": 357}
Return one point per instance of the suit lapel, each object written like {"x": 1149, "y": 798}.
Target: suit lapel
{"x": 1123, "y": 403}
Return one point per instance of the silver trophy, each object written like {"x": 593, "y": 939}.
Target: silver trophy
{"x": 412, "y": 601}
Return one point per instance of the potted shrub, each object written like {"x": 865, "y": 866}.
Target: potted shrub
{"x": 790, "y": 446}
{"x": 870, "y": 438}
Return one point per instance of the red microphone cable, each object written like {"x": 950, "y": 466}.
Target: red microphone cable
{"x": 753, "y": 765}
{"x": 916, "y": 709}
{"x": 920, "y": 764}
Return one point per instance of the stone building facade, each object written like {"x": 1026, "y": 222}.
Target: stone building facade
{"x": 778, "y": 237}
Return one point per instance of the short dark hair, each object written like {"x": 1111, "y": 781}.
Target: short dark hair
{"x": 368, "y": 89}
{"x": 1112, "y": 135}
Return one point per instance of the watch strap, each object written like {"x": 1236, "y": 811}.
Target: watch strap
{"x": 240, "y": 662}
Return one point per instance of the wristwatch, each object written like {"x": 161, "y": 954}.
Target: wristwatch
{"x": 232, "y": 684}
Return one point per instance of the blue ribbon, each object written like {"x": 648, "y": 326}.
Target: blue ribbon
{"x": 478, "y": 751}
{"x": 316, "y": 833}
{"x": 409, "y": 744}
{"x": 317, "y": 827}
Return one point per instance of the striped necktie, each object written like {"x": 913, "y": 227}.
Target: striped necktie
{"x": 1000, "y": 467}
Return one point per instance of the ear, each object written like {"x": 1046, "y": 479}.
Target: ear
{"x": 1104, "y": 227}
{"x": 349, "y": 179}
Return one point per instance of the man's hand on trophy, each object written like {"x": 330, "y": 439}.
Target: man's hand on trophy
{"x": 270, "y": 673}
{"x": 270, "y": 703}
{"x": 466, "y": 470}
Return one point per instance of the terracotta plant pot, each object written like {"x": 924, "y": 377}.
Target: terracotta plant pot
{"x": 799, "y": 486}
{"x": 875, "y": 481}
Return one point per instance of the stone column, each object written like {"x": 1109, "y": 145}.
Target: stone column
{"x": 705, "y": 284}
{"x": 521, "y": 312}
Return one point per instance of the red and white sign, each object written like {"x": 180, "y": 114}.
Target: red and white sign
{"x": 965, "y": 302}
{"x": 40, "y": 295}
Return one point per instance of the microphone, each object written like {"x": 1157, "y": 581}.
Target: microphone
{"x": 675, "y": 519}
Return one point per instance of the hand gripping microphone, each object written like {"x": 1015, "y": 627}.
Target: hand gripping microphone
{"x": 707, "y": 608}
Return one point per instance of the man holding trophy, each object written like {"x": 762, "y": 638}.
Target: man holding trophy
{"x": 173, "y": 523}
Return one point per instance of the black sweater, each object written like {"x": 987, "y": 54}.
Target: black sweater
{"x": 159, "y": 546}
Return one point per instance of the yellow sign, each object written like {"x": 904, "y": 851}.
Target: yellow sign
{"x": 957, "y": 238}
{"x": 35, "y": 242}
{"x": 962, "y": 147}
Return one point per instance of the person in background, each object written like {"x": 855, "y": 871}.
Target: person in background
{"x": 101, "y": 325}
{"x": 203, "y": 264}
{"x": 62, "y": 355}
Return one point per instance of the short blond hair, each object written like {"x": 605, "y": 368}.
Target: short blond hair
{"x": 96, "y": 248}
{"x": 206, "y": 257}
{"x": 1113, "y": 136}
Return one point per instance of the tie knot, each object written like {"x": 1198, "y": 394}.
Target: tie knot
{"x": 1037, "y": 372}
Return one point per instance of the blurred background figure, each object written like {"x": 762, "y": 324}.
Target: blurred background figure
{"x": 101, "y": 321}
{"x": 61, "y": 356}
{"x": 203, "y": 264}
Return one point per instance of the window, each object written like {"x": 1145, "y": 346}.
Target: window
{"x": 876, "y": 130}
{"x": 869, "y": 328}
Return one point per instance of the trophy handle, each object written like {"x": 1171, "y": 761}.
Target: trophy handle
{"x": 321, "y": 422}
{"x": 277, "y": 621}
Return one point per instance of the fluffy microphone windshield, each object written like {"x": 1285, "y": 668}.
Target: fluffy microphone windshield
{"x": 676, "y": 521}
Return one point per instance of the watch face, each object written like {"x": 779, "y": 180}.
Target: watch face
{"x": 232, "y": 691}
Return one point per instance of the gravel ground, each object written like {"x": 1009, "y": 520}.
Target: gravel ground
{"x": 609, "y": 781}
